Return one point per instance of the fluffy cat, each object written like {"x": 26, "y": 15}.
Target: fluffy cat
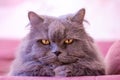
{"x": 57, "y": 47}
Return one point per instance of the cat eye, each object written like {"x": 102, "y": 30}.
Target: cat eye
{"x": 68, "y": 41}
{"x": 45, "y": 42}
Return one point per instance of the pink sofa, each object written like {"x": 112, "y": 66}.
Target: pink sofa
{"x": 113, "y": 77}
{"x": 7, "y": 51}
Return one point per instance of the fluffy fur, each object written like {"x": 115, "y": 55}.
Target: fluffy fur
{"x": 80, "y": 58}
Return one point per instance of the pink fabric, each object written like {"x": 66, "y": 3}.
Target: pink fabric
{"x": 8, "y": 48}
{"x": 47, "y": 78}
{"x": 104, "y": 46}
{"x": 113, "y": 59}
{"x": 108, "y": 77}
{"x": 7, "y": 51}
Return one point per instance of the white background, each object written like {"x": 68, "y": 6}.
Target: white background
{"x": 103, "y": 16}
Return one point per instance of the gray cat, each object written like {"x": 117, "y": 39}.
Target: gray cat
{"x": 57, "y": 47}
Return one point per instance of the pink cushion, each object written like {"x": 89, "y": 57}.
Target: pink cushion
{"x": 113, "y": 59}
{"x": 104, "y": 46}
{"x": 8, "y": 48}
{"x": 7, "y": 51}
{"x": 109, "y": 77}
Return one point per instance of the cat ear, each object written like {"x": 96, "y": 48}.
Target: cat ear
{"x": 79, "y": 16}
{"x": 34, "y": 18}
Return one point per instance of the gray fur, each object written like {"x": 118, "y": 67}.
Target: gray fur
{"x": 79, "y": 58}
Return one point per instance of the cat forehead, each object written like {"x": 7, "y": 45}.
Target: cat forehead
{"x": 56, "y": 30}
{"x": 56, "y": 26}
{"x": 62, "y": 29}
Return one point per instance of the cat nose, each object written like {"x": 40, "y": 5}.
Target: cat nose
{"x": 57, "y": 53}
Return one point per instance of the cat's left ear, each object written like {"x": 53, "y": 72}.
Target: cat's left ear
{"x": 79, "y": 16}
{"x": 34, "y": 18}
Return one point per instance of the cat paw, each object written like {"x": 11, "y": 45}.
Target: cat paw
{"x": 62, "y": 71}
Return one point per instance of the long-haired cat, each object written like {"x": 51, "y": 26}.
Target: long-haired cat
{"x": 57, "y": 47}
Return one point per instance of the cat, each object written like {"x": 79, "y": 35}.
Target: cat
{"x": 112, "y": 59}
{"x": 57, "y": 46}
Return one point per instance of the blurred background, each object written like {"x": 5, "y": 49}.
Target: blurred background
{"x": 103, "y": 16}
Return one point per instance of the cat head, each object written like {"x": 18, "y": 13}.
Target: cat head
{"x": 61, "y": 39}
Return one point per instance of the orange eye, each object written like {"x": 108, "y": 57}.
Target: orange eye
{"x": 68, "y": 41}
{"x": 45, "y": 42}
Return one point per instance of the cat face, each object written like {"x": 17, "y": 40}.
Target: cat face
{"x": 61, "y": 40}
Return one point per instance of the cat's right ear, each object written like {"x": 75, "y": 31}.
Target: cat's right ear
{"x": 34, "y": 18}
{"x": 79, "y": 16}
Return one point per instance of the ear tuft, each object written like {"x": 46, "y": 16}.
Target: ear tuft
{"x": 79, "y": 16}
{"x": 34, "y": 18}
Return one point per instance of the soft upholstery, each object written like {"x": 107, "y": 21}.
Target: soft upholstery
{"x": 108, "y": 77}
{"x": 113, "y": 59}
{"x": 7, "y": 51}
